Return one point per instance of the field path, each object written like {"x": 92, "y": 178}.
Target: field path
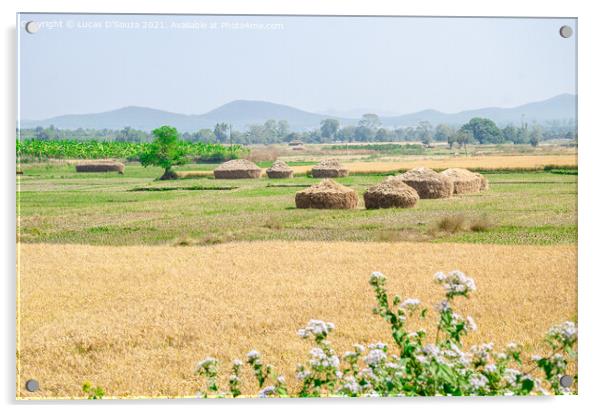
{"x": 135, "y": 320}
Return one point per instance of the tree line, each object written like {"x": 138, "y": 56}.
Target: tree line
{"x": 368, "y": 129}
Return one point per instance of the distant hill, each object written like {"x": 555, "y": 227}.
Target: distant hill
{"x": 557, "y": 108}
{"x": 242, "y": 113}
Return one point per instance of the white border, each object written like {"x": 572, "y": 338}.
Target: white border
{"x": 590, "y": 154}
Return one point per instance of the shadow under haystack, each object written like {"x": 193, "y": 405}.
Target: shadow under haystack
{"x": 279, "y": 170}
{"x": 428, "y": 183}
{"x": 327, "y": 194}
{"x": 391, "y": 193}
{"x": 237, "y": 169}
{"x": 100, "y": 166}
{"x": 464, "y": 181}
{"x": 329, "y": 168}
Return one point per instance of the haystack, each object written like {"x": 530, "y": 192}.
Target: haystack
{"x": 280, "y": 169}
{"x": 237, "y": 169}
{"x": 100, "y": 166}
{"x": 329, "y": 168}
{"x": 391, "y": 193}
{"x": 484, "y": 182}
{"x": 327, "y": 195}
{"x": 464, "y": 180}
{"x": 428, "y": 183}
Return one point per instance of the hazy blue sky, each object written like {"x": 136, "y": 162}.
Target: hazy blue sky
{"x": 192, "y": 64}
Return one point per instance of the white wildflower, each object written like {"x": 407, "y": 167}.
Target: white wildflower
{"x": 359, "y": 348}
{"x": 268, "y": 391}
{"x": 206, "y": 364}
{"x": 410, "y": 304}
{"x": 379, "y": 345}
{"x": 443, "y": 306}
{"x": 470, "y": 324}
{"x": 375, "y": 357}
{"x": 511, "y": 376}
{"x": 317, "y": 328}
{"x": 490, "y": 368}
{"x": 377, "y": 278}
{"x": 478, "y": 381}
{"x": 351, "y": 385}
{"x": 252, "y": 356}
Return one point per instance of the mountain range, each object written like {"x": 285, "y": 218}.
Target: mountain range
{"x": 242, "y": 113}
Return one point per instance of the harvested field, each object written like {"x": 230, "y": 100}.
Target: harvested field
{"x": 441, "y": 163}
{"x": 140, "y": 320}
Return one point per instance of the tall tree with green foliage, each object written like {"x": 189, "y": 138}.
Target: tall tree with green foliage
{"x": 370, "y": 121}
{"x": 535, "y": 136}
{"x": 424, "y": 132}
{"x": 443, "y": 132}
{"x": 165, "y": 151}
{"x": 221, "y": 132}
{"x": 483, "y": 130}
{"x": 463, "y": 138}
{"x": 329, "y": 128}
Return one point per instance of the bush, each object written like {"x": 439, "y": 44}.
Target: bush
{"x": 411, "y": 367}
{"x": 452, "y": 223}
{"x": 481, "y": 224}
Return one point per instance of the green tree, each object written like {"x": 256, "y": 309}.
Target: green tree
{"x": 535, "y": 136}
{"x": 329, "y": 128}
{"x": 370, "y": 121}
{"x": 451, "y": 139}
{"x": 221, "y": 132}
{"x": 511, "y": 134}
{"x": 165, "y": 151}
{"x": 483, "y": 130}
{"x": 424, "y": 132}
{"x": 346, "y": 133}
{"x": 443, "y": 133}
{"x": 463, "y": 138}
{"x": 282, "y": 129}
{"x": 382, "y": 135}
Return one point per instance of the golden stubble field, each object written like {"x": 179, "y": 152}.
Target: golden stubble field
{"x": 472, "y": 162}
{"x": 135, "y": 320}
{"x": 442, "y": 162}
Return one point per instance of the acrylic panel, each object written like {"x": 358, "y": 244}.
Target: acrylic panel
{"x": 295, "y": 206}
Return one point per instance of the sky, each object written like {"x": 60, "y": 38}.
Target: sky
{"x": 78, "y": 64}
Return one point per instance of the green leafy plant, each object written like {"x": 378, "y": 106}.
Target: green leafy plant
{"x": 412, "y": 367}
{"x": 93, "y": 393}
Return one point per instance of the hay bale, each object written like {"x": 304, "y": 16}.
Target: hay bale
{"x": 390, "y": 194}
{"x": 279, "y": 169}
{"x": 464, "y": 181}
{"x": 484, "y": 182}
{"x": 237, "y": 169}
{"x": 327, "y": 194}
{"x": 100, "y": 166}
{"x": 428, "y": 183}
{"x": 329, "y": 168}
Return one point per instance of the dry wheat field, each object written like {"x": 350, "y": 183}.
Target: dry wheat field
{"x": 136, "y": 319}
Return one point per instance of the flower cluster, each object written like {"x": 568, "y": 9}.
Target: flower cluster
{"x": 455, "y": 283}
{"x": 318, "y": 328}
{"x": 410, "y": 366}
